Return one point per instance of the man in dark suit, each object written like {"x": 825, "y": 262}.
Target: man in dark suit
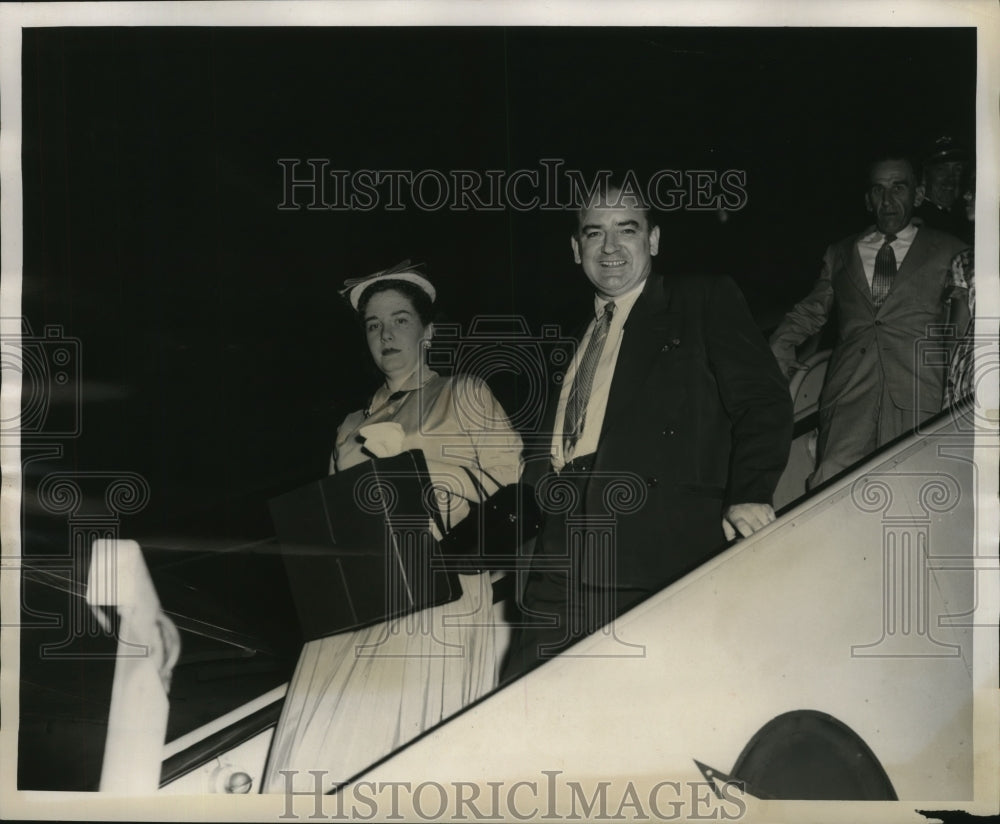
{"x": 671, "y": 430}
{"x": 888, "y": 288}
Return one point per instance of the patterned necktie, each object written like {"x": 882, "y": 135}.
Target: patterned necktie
{"x": 579, "y": 393}
{"x": 885, "y": 271}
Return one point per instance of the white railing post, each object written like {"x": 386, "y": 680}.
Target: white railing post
{"x": 137, "y": 723}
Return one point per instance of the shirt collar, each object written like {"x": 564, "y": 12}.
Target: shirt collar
{"x": 419, "y": 378}
{"x": 623, "y": 303}
{"x": 872, "y": 233}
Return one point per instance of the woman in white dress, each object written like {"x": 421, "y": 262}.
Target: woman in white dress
{"x": 357, "y": 696}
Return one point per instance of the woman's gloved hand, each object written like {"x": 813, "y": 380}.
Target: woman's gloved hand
{"x": 383, "y": 440}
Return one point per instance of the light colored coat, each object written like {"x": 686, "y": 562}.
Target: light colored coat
{"x": 881, "y": 356}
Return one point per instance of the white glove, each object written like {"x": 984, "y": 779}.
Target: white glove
{"x": 383, "y": 440}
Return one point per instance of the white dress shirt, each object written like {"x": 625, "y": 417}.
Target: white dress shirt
{"x": 601, "y": 387}
{"x": 869, "y": 245}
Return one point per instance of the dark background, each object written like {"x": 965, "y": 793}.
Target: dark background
{"x": 215, "y": 357}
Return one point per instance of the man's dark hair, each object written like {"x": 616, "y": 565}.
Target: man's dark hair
{"x": 421, "y": 301}
{"x": 612, "y": 188}
{"x": 893, "y": 153}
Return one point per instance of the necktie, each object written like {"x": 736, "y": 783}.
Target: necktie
{"x": 885, "y": 271}
{"x": 579, "y": 393}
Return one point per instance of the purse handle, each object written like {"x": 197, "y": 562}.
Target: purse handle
{"x": 480, "y": 491}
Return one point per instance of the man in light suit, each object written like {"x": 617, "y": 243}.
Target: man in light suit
{"x": 666, "y": 442}
{"x": 888, "y": 288}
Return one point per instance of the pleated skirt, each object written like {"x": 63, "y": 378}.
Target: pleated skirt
{"x": 357, "y": 696}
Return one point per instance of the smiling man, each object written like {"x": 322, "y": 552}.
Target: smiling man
{"x": 671, "y": 430}
{"x": 888, "y": 287}
{"x": 616, "y": 248}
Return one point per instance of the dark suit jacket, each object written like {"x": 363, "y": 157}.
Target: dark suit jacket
{"x": 698, "y": 416}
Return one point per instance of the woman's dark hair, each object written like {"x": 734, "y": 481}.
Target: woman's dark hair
{"x": 418, "y": 297}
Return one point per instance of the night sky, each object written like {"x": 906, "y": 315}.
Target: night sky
{"x": 216, "y": 357}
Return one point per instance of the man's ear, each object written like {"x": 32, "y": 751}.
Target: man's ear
{"x": 921, "y": 194}
{"x": 576, "y": 248}
{"x": 654, "y": 240}
{"x": 868, "y": 202}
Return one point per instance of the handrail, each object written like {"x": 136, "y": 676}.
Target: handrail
{"x": 200, "y": 752}
{"x": 42, "y": 574}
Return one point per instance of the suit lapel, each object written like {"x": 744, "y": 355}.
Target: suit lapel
{"x": 856, "y": 269}
{"x": 648, "y": 324}
{"x": 916, "y": 256}
{"x": 918, "y": 253}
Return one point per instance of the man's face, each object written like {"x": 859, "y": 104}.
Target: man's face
{"x": 944, "y": 182}
{"x": 615, "y": 246}
{"x": 892, "y": 194}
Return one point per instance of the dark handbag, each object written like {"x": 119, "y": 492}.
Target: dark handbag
{"x": 490, "y": 536}
{"x": 357, "y": 546}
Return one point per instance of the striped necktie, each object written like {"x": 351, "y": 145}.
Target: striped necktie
{"x": 885, "y": 271}
{"x": 579, "y": 393}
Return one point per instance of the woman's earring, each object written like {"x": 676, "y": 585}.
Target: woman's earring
{"x": 427, "y": 344}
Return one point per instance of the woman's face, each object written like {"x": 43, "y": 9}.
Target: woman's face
{"x": 395, "y": 334}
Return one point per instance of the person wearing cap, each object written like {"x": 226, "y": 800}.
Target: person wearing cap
{"x": 670, "y": 432}
{"x": 888, "y": 287}
{"x": 357, "y": 696}
{"x": 946, "y": 189}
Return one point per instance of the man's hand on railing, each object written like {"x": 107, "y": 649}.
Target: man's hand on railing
{"x": 166, "y": 648}
{"x": 746, "y": 519}
{"x": 787, "y": 361}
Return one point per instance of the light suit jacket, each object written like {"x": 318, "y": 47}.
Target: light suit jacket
{"x": 877, "y": 345}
